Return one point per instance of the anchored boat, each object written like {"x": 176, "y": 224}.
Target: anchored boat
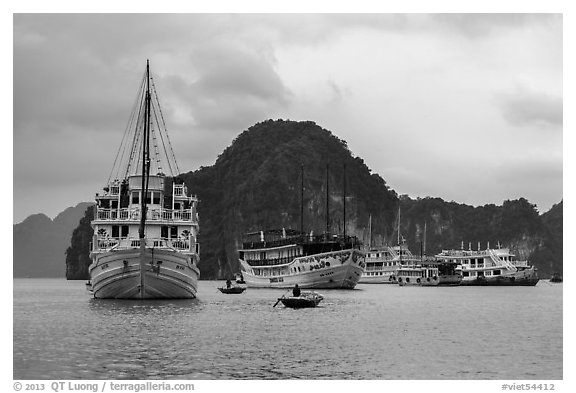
{"x": 145, "y": 224}
{"x": 490, "y": 267}
{"x": 423, "y": 275}
{"x": 382, "y": 264}
{"x": 281, "y": 258}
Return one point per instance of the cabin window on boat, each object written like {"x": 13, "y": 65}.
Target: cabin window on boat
{"x": 173, "y": 231}
{"x": 116, "y": 231}
{"x": 497, "y": 272}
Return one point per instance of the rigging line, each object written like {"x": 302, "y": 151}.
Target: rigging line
{"x": 136, "y": 148}
{"x": 127, "y": 146}
{"x": 124, "y": 137}
{"x": 136, "y": 138}
{"x": 156, "y": 152}
{"x": 162, "y": 141}
{"x": 164, "y": 126}
{"x": 133, "y": 119}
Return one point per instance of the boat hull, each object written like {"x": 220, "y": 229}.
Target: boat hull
{"x": 292, "y": 302}
{"x": 449, "y": 279}
{"x": 234, "y": 290}
{"x": 526, "y": 277}
{"x": 419, "y": 282}
{"x": 342, "y": 270}
{"x": 305, "y": 300}
{"x": 143, "y": 274}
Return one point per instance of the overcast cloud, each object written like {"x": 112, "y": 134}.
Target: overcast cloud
{"x": 463, "y": 107}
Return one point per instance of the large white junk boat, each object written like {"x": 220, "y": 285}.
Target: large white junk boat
{"x": 490, "y": 267}
{"x": 145, "y": 225}
{"x": 283, "y": 258}
{"x": 382, "y": 264}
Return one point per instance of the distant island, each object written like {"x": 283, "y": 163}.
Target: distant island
{"x": 255, "y": 185}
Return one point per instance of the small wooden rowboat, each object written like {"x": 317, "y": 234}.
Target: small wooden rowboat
{"x": 305, "y": 300}
{"x": 232, "y": 290}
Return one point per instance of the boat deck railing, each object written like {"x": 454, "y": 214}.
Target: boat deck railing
{"x": 347, "y": 242}
{"x": 133, "y": 214}
{"x": 109, "y": 243}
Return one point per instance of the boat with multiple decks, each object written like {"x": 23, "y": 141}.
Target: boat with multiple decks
{"x": 422, "y": 274}
{"x": 382, "y": 264}
{"x": 490, "y": 267}
{"x": 284, "y": 258}
{"x": 145, "y": 226}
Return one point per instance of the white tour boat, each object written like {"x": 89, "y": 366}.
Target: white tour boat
{"x": 382, "y": 264}
{"x": 422, "y": 274}
{"x": 145, "y": 226}
{"x": 283, "y": 258}
{"x": 490, "y": 267}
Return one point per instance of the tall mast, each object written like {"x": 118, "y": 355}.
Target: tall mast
{"x": 399, "y": 245}
{"x": 145, "y": 154}
{"x": 145, "y": 176}
{"x": 302, "y": 198}
{"x": 370, "y": 232}
{"x": 398, "y": 222}
{"x": 424, "y": 237}
{"x": 344, "y": 204}
{"x": 327, "y": 203}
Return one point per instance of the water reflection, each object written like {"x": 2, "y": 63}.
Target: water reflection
{"x": 135, "y": 306}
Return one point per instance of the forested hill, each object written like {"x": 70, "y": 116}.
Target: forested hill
{"x": 255, "y": 184}
{"x": 515, "y": 224}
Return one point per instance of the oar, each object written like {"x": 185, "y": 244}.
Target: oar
{"x": 278, "y": 301}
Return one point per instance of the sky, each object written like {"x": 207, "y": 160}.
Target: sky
{"x": 465, "y": 107}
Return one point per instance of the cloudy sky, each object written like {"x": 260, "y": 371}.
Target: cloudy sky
{"x": 465, "y": 107}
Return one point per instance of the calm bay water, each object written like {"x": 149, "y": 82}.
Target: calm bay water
{"x": 372, "y": 332}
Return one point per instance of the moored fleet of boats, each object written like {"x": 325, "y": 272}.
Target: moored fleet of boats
{"x": 146, "y": 226}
